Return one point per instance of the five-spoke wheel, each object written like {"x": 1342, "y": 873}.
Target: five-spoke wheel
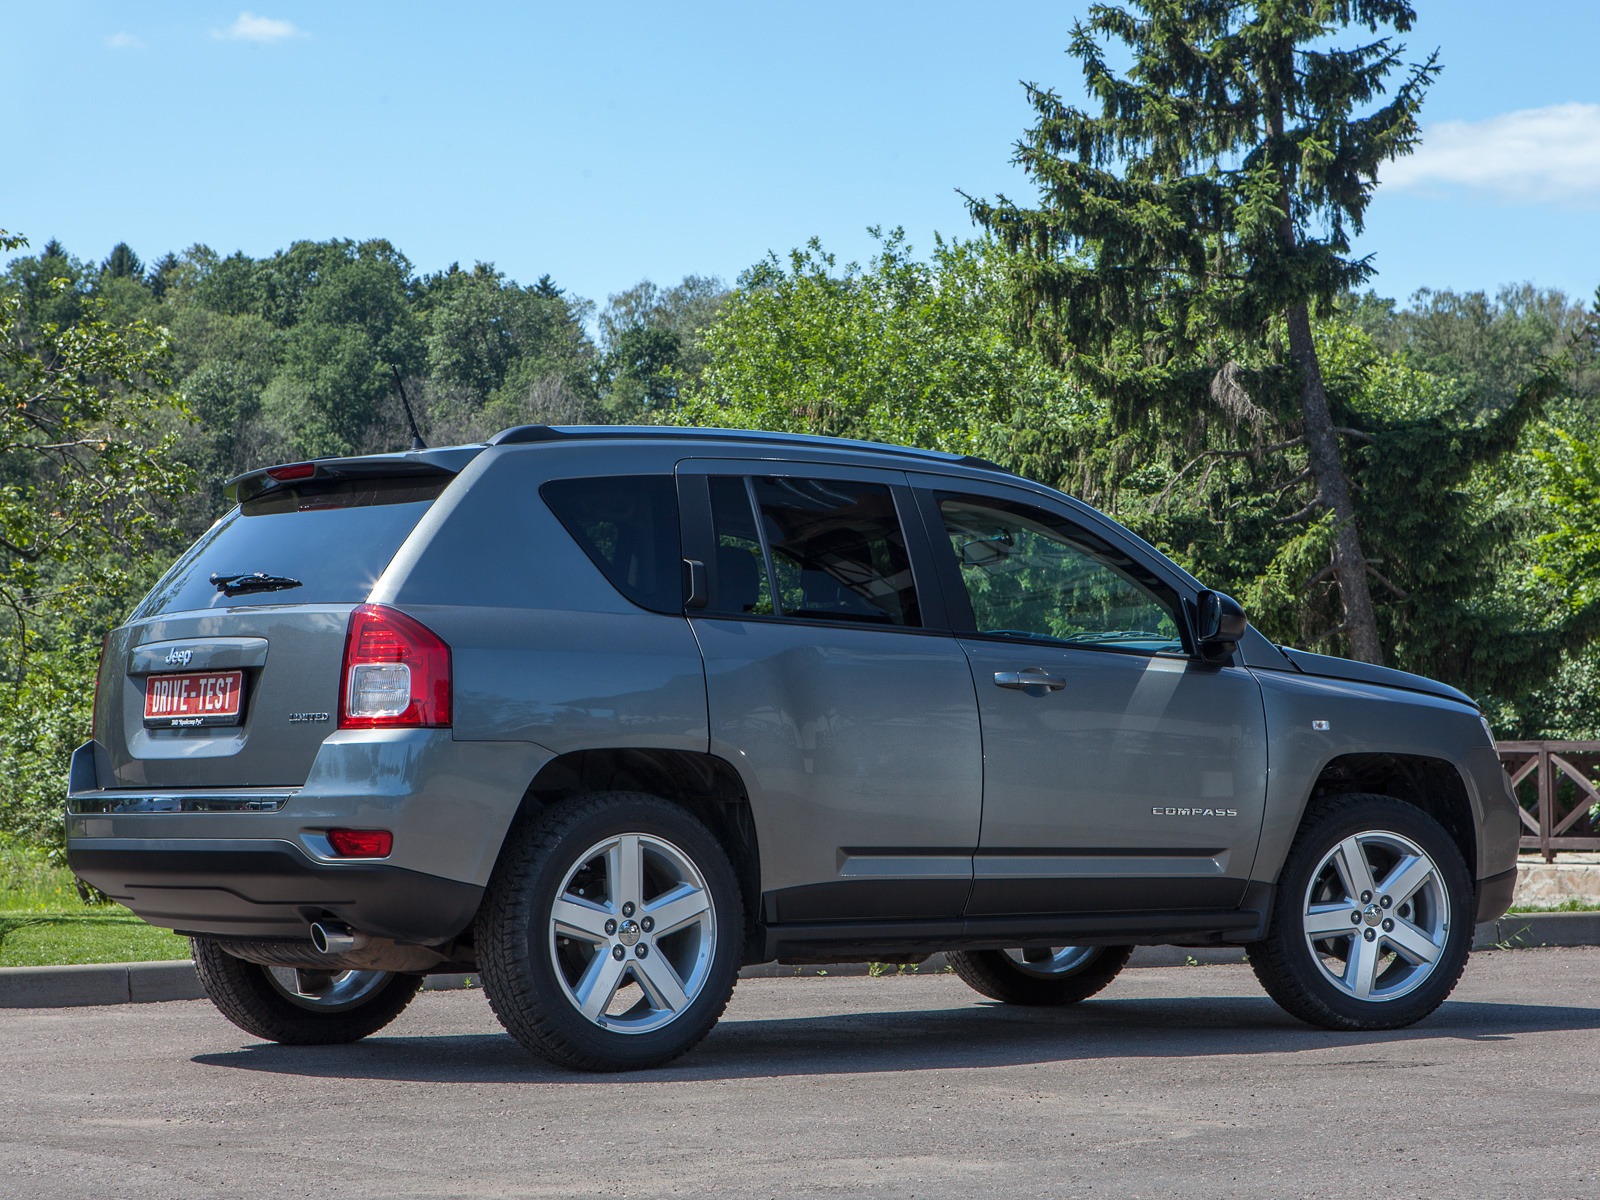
{"x": 610, "y": 936}
{"x": 1377, "y": 915}
{"x": 633, "y": 933}
{"x": 1373, "y": 923}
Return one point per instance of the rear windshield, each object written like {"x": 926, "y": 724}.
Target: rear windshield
{"x": 321, "y": 543}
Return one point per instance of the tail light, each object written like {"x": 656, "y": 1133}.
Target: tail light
{"x": 361, "y": 843}
{"x": 396, "y": 672}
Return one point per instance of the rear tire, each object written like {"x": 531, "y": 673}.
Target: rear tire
{"x": 1068, "y": 975}
{"x": 305, "y": 1008}
{"x": 609, "y": 939}
{"x": 1389, "y": 889}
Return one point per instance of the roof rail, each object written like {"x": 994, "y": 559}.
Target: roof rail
{"x": 519, "y": 435}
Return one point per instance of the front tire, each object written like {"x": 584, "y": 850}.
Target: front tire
{"x": 300, "y": 1008}
{"x": 609, "y": 939}
{"x": 1040, "y": 976}
{"x": 1373, "y": 921}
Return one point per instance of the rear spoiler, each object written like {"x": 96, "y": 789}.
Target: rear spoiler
{"x": 411, "y": 464}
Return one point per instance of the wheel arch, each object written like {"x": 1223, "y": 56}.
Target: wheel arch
{"x": 1435, "y": 785}
{"x": 705, "y": 785}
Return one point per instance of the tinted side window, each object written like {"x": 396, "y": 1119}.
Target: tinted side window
{"x": 837, "y": 551}
{"x": 1030, "y": 574}
{"x": 628, "y": 524}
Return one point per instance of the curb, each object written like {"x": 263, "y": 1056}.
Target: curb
{"x": 1517, "y": 931}
{"x": 98, "y": 983}
{"x": 148, "y": 982}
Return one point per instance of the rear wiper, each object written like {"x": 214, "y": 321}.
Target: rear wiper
{"x": 255, "y": 581}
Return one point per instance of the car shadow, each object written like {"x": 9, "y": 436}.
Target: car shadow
{"x": 977, "y": 1035}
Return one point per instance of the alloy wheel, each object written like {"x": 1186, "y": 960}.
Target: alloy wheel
{"x": 1376, "y": 916}
{"x": 1048, "y": 961}
{"x": 633, "y": 933}
{"x": 326, "y": 991}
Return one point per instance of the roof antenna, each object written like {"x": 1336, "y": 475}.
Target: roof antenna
{"x": 416, "y": 435}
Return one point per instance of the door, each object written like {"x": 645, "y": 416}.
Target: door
{"x": 1121, "y": 773}
{"x": 853, "y": 722}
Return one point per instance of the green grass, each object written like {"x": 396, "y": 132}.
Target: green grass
{"x": 45, "y": 922}
{"x": 1571, "y": 904}
{"x": 108, "y": 934}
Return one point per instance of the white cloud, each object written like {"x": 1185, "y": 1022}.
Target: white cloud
{"x": 1535, "y": 156}
{"x": 251, "y": 28}
{"x": 124, "y": 41}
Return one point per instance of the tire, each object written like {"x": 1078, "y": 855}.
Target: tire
{"x": 1392, "y": 868}
{"x": 300, "y": 1008}
{"x": 575, "y": 952}
{"x": 1058, "y": 974}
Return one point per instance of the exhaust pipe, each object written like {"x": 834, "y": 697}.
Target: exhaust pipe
{"x": 335, "y": 937}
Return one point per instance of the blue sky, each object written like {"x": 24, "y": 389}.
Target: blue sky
{"x": 608, "y": 143}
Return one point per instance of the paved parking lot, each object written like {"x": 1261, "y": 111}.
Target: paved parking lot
{"x": 1179, "y": 1081}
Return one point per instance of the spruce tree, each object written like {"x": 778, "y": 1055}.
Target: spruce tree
{"x": 1204, "y": 212}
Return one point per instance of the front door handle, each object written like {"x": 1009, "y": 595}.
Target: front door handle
{"x": 1033, "y": 679}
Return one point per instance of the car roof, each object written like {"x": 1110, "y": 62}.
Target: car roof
{"x": 713, "y": 436}
{"x": 453, "y": 459}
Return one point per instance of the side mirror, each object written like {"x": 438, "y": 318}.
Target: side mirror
{"x": 1219, "y": 623}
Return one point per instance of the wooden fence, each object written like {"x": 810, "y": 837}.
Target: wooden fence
{"x": 1556, "y": 783}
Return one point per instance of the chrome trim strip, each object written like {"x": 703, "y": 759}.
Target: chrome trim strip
{"x": 265, "y": 801}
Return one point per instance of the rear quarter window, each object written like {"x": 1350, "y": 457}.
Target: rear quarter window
{"x": 332, "y": 539}
{"x": 628, "y": 526}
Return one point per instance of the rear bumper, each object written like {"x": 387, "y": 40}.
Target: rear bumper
{"x": 254, "y": 862}
{"x": 269, "y": 890}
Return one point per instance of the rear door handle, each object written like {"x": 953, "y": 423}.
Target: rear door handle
{"x": 1029, "y": 679}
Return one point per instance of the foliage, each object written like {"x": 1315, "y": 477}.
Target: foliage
{"x": 1489, "y": 346}
{"x": 1478, "y": 515}
{"x": 899, "y": 351}
{"x": 1570, "y": 557}
{"x": 84, "y": 477}
{"x": 653, "y": 345}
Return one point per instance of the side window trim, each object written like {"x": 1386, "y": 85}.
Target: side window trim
{"x": 945, "y": 570}
{"x": 694, "y": 527}
{"x": 766, "y": 548}
{"x": 928, "y": 491}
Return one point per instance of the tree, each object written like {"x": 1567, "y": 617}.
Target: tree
{"x": 84, "y": 472}
{"x": 494, "y": 338}
{"x": 899, "y": 351}
{"x": 123, "y": 263}
{"x": 652, "y": 342}
{"x": 1491, "y": 346}
{"x": 1212, "y": 198}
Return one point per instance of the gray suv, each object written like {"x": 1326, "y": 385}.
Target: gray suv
{"x": 607, "y": 713}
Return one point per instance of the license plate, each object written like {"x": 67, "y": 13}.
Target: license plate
{"x": 187, "y": 701}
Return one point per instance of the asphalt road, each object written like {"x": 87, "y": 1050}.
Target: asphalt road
{"x": 1178, "y": 1081}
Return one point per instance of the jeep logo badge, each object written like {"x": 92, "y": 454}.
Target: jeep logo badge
{"x": 179, "y": 658}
